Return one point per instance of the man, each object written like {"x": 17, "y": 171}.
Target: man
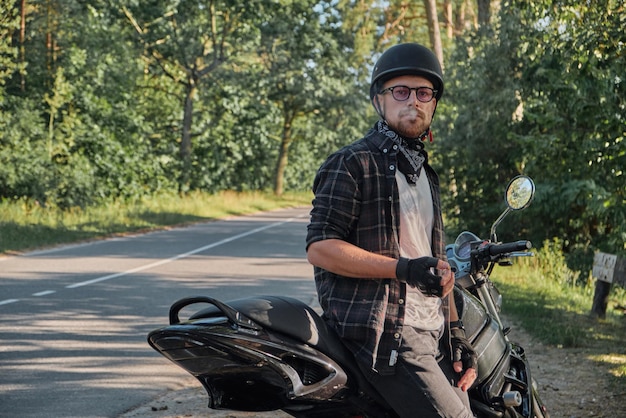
{"x": 375, "y": 234}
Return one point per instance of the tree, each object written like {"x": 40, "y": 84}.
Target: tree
{"x": 573, "y": 98}
{"x": 305, "y": 72}
{"x": 474, "y": 121}
{"x": 8, "y": 52}
{"x": 187, "y": 41}
{"x": 433, "y": 29}
{"x": 540, "y": 92}
{"x": 484, "y": 12}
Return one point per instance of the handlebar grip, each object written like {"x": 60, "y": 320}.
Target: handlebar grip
{"x": 510, "y": 247}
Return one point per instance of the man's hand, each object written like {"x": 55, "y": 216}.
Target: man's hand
{"x": 447, "y": 277}
{"x": 464, "y": 358}
{"x": 417, "y": 272}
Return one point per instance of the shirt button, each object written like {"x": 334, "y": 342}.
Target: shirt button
{"x": 392, "y": 167}
{"x": 390, "y": 198}
{"x": 400, "y": 301}
{"x": 385, "y": 151}
{"x": 395, "y": 147}
{"x": 396, "y": 335}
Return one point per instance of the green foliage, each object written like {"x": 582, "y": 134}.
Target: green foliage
{"x": 9, "y": 22}
{"x": 24, "y": 163}
{"x": 110, "y": 100}
{"x": 575, "y": 128}
{"x": 477, "y": 152}
{"x": 541, "y": 93}
{"x": 122, "y": 100}
{"x": 551, "y": 263}
{"x": 304, "y": 74}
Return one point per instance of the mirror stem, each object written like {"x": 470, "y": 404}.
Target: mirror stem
{"x": 492, "y": 235}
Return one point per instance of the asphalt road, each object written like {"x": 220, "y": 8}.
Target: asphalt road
{"x": 74, "y": 319}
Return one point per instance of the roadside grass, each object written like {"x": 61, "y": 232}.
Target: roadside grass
{"x": 559, "y": 314}
{"x": 25, "y": 225}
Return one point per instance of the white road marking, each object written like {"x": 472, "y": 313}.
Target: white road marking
{"x": 177, "y": 257}
{"x": 158, "y": 263}
{"x": 7, "y": 301}
{"x": 44, "y": 293}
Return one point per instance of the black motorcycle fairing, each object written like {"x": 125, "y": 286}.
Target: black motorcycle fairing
{"x": 289, "y": 359}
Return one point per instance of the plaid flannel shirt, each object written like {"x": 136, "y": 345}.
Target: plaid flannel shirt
{"x": 356, "y": 200}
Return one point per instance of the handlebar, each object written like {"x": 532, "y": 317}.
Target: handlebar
{"x": 509, "y": 247}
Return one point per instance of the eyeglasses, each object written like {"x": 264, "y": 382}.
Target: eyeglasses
{"x": 402, "y": 93}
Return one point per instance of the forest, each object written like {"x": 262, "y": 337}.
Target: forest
{"x": 103, "y": 100}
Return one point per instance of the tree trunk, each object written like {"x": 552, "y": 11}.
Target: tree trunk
{"x": 484, "y": 12}
{"x": 283, "y": 155}
{"x": 22, "y": 47}
{"x": 447, "y": 6}
{"x": 459, "y": 21}
{"x": 433, "y": 29}
{"x": 51, "y": 53}
{"x": 185, "y": 141}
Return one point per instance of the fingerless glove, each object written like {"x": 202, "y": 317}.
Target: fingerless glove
{"x": 416, "y": 272}
{"x": 462, "y": 350}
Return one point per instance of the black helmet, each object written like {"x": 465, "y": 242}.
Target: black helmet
{"x": 407, "y": 59}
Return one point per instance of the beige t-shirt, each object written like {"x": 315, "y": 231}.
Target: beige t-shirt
{"x": 416, "y": 225}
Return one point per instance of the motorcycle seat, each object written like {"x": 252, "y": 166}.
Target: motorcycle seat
{"x": 288, "y": 316}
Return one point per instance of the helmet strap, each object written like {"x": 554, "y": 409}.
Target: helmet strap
{"x": 376, "y": 104}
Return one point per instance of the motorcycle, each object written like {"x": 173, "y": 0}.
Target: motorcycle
{"x": 269, "y": 353}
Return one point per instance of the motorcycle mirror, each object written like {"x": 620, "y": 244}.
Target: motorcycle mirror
{"x": 519, "y": 193}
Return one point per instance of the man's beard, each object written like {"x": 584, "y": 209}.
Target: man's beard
{"x": 411, "y": 129}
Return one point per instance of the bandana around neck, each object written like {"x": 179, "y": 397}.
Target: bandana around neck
{"x": 411, "y": 157}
